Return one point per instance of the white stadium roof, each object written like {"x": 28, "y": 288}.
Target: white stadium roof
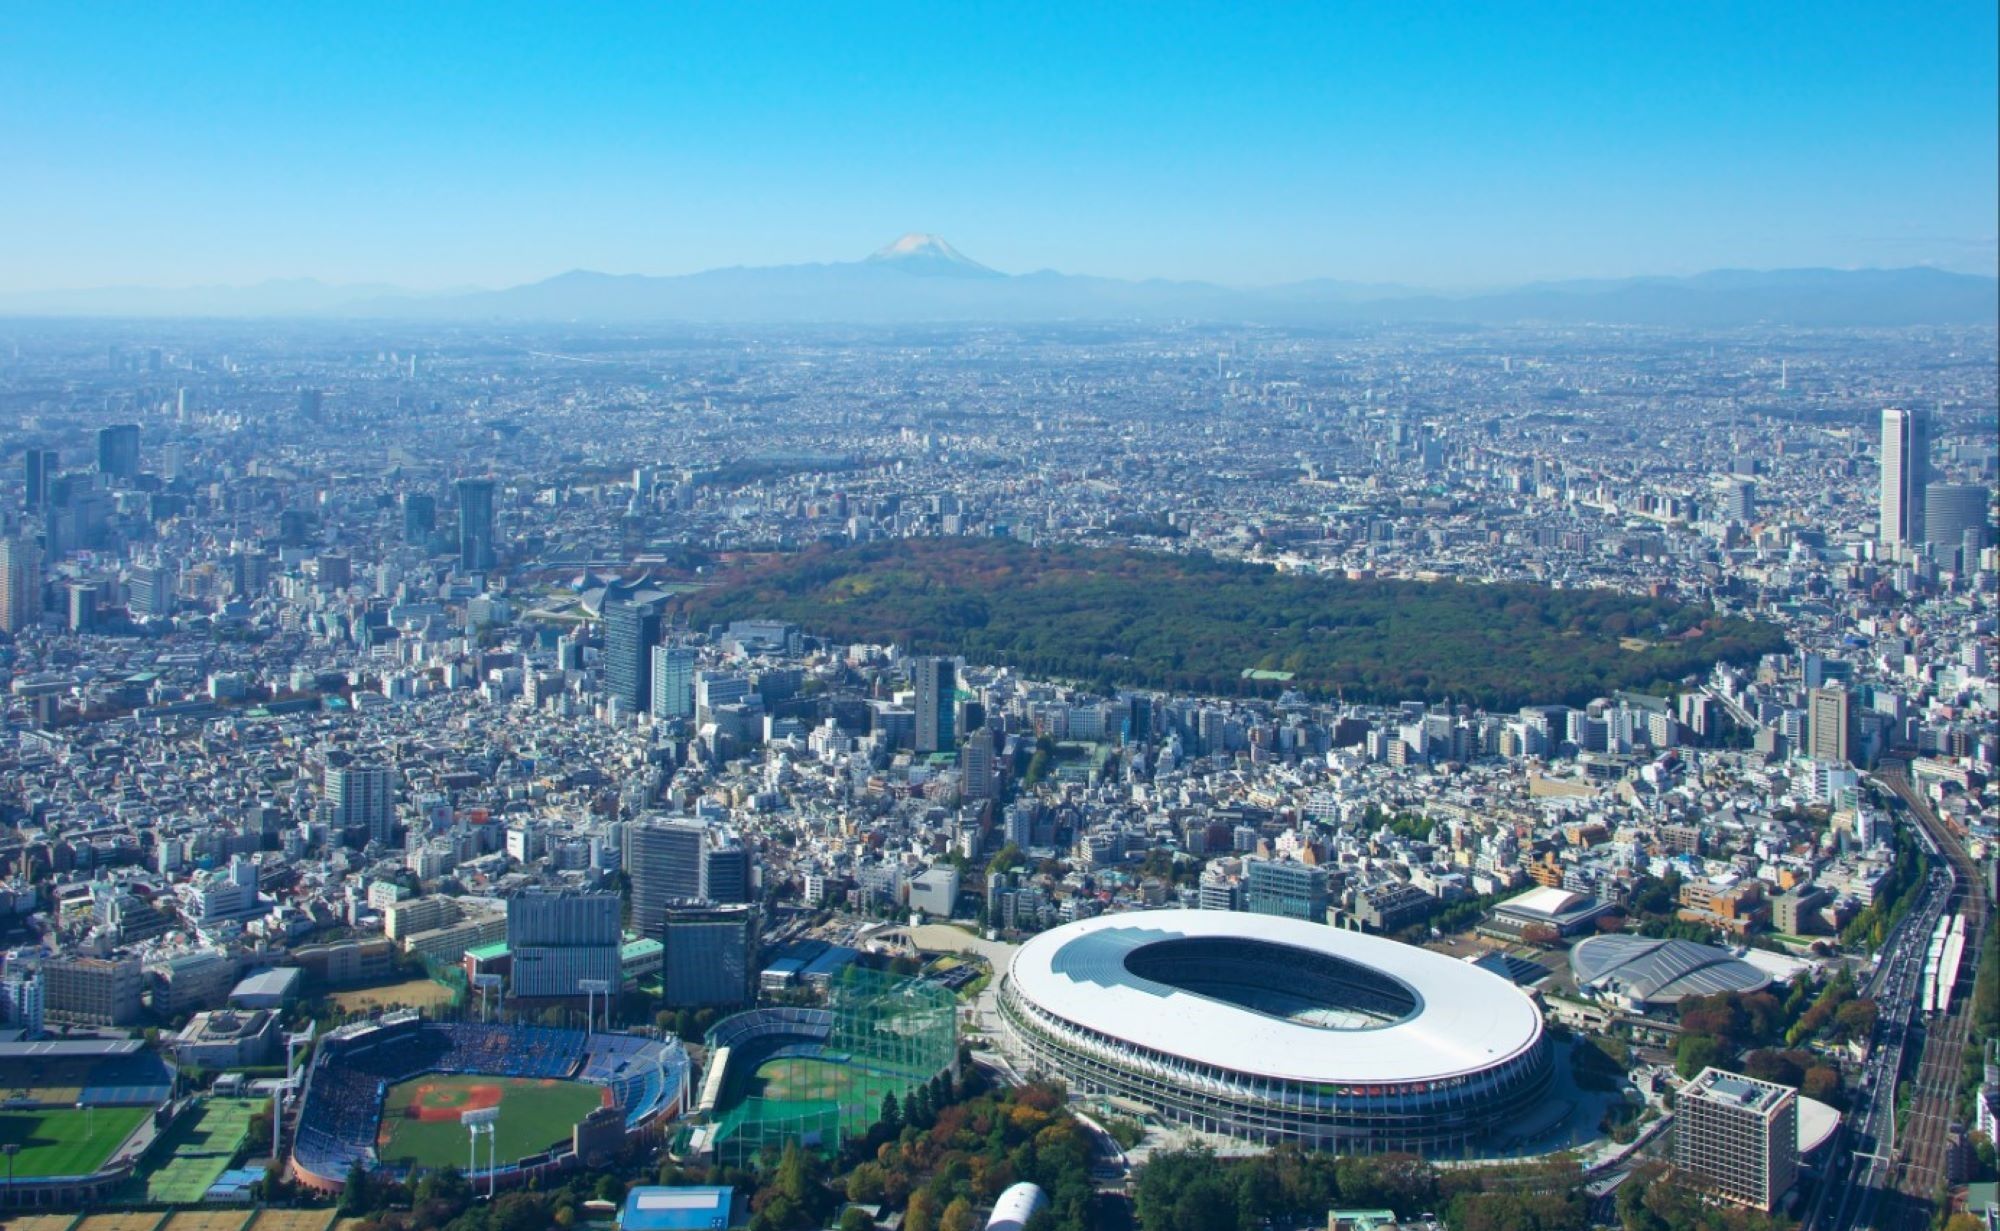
{"x": 1466, "y": 1020}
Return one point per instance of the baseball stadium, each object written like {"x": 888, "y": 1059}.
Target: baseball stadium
{"x": 813, "y": 1075}
{"x": 81, "y": 1112}
{"x": 1268, "y": 1030}
{"x": 392, "y": 1094}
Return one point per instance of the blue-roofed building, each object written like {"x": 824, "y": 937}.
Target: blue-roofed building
{"x": 658, "y": 1208}
{"x": 823, "y": 969}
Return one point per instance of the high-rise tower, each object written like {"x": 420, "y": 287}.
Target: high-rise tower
{"x": 1906, "y": 463}
{"x": 420, "y": 512}
{"x": 118, "y": 450}
{"x": 937, "y": 696}
{"x": 476, "y": 552}
{"x": 631, "y": 628}
{"x": 20, "y": 583}
{"x": 38, "y": 469}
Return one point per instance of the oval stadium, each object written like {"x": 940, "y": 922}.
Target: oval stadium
{"x": 1269, "y": 1030}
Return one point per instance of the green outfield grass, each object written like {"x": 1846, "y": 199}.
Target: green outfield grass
{"x": 66, "y": 1141}
{"x": 534, "y": 1114}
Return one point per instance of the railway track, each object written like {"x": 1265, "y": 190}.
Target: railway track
{"x": 1920, "y": 1169}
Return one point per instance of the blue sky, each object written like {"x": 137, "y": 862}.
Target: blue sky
{"x": 1459, "y": 145}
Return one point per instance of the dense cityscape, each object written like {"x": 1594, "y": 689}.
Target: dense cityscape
{"x": 401, "y": 716}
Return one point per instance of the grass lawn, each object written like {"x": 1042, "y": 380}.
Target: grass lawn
{"x": 535, "y": 1113}
{"x": 65, "y": 1141}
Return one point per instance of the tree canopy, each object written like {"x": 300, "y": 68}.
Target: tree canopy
{"x": 1194, "y": 623}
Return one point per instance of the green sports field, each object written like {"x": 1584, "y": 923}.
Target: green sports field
{"x": 198, "y": 1149}
{"x": 799, "y": 1079}
{"x": 420, "y": 1118}
{"x": 65, "y": 1141}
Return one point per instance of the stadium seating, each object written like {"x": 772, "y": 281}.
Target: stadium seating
{"x": 356, "y": 1065}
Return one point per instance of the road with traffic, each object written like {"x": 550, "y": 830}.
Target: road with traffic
{"x": 1876, "y": 1181}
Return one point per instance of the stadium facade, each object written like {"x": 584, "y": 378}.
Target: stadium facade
{"x": 1270, "y": 1030}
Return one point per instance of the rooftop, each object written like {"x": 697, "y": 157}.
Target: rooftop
{"x": 652, "y": 1208}
{"x": 1460, "y": 1018}
{"x": 1660, "y": 971}
{"x": 1721, "y": 1086}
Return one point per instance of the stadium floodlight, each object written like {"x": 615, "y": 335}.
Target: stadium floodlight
{"x": 479, "y": 1121}
{"x": 592, "y": 988}
{"x": 486, "y": 983}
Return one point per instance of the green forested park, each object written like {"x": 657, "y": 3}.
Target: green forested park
{"x": 1109, "y": 616}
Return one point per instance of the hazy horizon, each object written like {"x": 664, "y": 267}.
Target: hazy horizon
{"x": 1414, "y": 287}
{"x": 1455, "y": 148}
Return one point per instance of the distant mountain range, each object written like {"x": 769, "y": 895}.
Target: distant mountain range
{"x": 921, "y": 278}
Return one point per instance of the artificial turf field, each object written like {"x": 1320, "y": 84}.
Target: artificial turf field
{"x": 420, "y": 1124}
{"x": 66, "y": 1141}
{"x": 798, "y": 1079}
{"x": 197, "y": 1150}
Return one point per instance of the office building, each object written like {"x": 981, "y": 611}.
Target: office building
{"x": 361, "y": 796}
{"x": 420, "y": 515}
{"x": 664, "y": 861}
{"x": 311, "y": 403}
{"x": 726, "y": 874}
{"x": 20, "y": 584}
{"x": 676, "y": 862}
{"x": 478, "y": 545}
{"x": 1906, "y": 459}
{"x": 21, "y": 1001}
{"x": 1955, "y": 518}
{"x": 1285, "y": 887}
{"x": 978, "y": 768}
{"x": 38, "y": 469}
{"x": 190, "y": 981}
{"x": 92, "y": 991}
{"x": 118, "y": 450}
{"x": 1739, "y": 501}
{"x": 1218, "y": 890}
{"x": 559, "y": 940}
{"x": 631, "y": 628}
{"x": 936, "y": 680}
{"x": 1830, "y": 724}
{"x": 715, "y": 689}
{"x": 673, "y": 682}
{"x": 149, "y": 591}
{"x": 1738, "y": 1137}
{"x": 708, "y": 956}
{"x": 81, "y": 606}
{"x": 934, "y": 891}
